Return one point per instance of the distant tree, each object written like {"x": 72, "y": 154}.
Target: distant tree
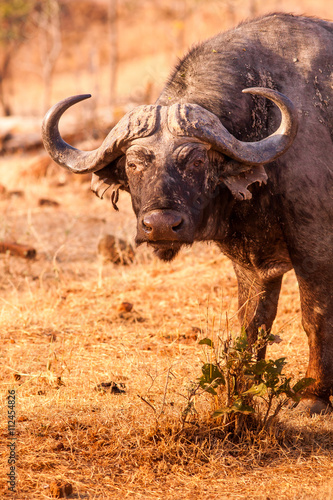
{"x": 179, "y": 12}
{"x": 47, "y": 20}
{"x": 14, "y": 16}
{"x": 113, "y": 37}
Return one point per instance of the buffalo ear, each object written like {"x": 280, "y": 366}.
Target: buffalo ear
{"x": 111, "y": 177}
{"x": 239, "y": 179}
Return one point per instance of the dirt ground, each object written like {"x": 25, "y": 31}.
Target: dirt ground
{"x": 65, "y": 328}
{"x": 70, "y": 321}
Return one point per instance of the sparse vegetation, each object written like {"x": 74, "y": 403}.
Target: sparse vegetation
{"x": 65, "y": 330}
{"x": 73, "y": 326}
{"x": 237, "y": 377}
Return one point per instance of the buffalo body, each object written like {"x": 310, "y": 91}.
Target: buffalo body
{"x": 208, "y": 162}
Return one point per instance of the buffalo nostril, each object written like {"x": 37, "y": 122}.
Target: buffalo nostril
{"x": 147, "y": 226}
{"x": 163, "y": 225}
{"x": 176, "y": 226}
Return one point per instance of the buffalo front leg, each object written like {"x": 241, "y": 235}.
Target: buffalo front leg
{"x": 257, "y": 302}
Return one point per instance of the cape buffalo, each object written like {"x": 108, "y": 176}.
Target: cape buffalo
{"x": 208, "y": 162}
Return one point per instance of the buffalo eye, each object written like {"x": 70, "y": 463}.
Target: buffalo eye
{"x": 195, "y": 165}
{"x": 191, "y": 158}
{"x": 198, "y": 163}
{"x": 136, "y": 165}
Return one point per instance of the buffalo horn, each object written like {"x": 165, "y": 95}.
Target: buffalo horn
{"x": 140, "y": 122}
{"x": 192, "y": 120}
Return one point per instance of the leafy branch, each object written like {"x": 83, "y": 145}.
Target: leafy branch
{"x": 238, "y": 379}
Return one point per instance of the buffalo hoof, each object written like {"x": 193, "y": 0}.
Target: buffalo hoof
{"x": 314, "y": 407}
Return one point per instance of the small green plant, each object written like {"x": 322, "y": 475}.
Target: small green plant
{"x": 245, "y": 387}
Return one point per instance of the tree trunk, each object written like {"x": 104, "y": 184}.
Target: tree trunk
{"x": 4, "y": 74}
{"x": 50, "y": 45}
{"x": 113, "y": 38}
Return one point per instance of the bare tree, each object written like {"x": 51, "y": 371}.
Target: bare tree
{"x": 182, "y": 11}
{"x": 4, "y": 73}
{"x": 113, "y": 37}
{"x": 47, "y": 19}
{"x": 14, "y": 16}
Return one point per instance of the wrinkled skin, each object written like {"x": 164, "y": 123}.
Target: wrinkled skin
{"x": 184, "y": 191}
{"x": 181, "y": 187}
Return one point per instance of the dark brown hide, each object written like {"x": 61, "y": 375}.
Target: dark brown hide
{"x": 186, "y": 187}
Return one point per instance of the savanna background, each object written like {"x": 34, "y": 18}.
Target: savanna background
{"x": 71, "y": 320}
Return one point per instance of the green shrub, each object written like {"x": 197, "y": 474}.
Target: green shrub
{"x": 248, "y": 392}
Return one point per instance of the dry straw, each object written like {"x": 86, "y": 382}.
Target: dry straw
{"x": 65, "y": 330}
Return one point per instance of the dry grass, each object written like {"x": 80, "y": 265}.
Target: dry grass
{"x": 64, "y": 331}
{"x": 64, "y": 328}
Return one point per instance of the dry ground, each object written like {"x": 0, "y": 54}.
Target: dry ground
{"x": 64, "y": 328}
{"x": 62, "y": 316}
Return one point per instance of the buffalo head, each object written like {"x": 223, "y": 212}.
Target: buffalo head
{"x": 172, "y": 159}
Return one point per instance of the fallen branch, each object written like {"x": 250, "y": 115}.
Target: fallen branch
{"x": 16, "y": 249}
